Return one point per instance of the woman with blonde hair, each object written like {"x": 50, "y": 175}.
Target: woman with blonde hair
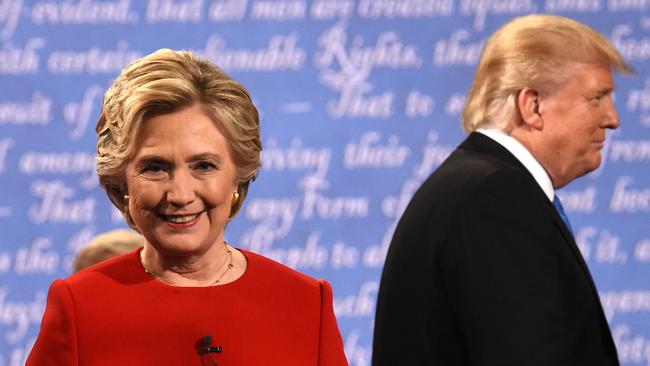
{"x": 178, "y": 145}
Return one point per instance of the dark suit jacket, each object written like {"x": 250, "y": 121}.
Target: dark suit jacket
{"x": 116, "y": 314}
{"x": 482, "y": 271}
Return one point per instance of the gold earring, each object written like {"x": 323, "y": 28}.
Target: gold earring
{"x": 126, "y": 197}
{"x": 235, "y": 197}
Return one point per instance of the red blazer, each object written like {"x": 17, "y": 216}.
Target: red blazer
{"x": 116, "y": 314}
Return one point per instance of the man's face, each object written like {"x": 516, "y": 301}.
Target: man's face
{"x": 575, "y": 118}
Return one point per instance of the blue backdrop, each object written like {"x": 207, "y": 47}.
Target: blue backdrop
{"x": 359, "y": 102}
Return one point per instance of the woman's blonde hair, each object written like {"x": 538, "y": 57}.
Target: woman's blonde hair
{"x": 164, "y": 82}
{"x": 533, "y": 51}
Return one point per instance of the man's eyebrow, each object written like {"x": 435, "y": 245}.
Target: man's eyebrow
{"x": 609, "y": 89}
{"x": 604, "y": 90}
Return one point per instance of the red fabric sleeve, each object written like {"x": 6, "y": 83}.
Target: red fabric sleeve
{"x": 57, "y": 340}
{"x": 330, "y": 351}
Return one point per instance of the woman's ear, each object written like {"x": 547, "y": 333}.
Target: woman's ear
{"x": 528, "y": 101}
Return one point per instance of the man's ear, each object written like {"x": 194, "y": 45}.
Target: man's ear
{"x": 528, "y": 101}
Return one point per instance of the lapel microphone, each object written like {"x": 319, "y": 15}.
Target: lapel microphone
{"x": 205, "y": 348}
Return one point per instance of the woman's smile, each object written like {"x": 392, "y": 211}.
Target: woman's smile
{"x": 182, "y": 221}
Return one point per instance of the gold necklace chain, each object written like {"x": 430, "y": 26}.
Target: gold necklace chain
{"x": 228, "y": 267}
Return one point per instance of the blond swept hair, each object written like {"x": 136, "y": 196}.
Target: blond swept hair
{"x": 107, "y": 245}
{"x": 164, "y": 82}
{"x": 533, "y": 51}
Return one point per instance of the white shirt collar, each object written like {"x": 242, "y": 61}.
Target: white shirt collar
{"x": 524, "y": 156}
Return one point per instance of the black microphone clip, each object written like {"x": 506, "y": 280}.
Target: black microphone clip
{"x": 205, "y": 348}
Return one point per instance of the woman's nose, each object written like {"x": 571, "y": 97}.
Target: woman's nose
{"x": 181, "y": 190}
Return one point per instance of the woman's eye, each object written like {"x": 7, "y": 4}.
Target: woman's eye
{"x": 204, "y": 166}
{"x": 152, "y": 168}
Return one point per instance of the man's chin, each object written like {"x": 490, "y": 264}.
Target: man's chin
{"x": 595, "y": 162}
{"x": 576, "y": 173}
{"x": 590, "y": 166}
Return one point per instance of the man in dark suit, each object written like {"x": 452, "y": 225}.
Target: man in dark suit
{"x": 483, "y": 268}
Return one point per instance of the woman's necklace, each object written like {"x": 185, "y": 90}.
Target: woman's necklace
{"x": 228, "y": 267}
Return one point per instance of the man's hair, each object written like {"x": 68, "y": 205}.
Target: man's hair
{"x": 164, "y": 82}
{"x": 534, "y": 51}
{"x": 107, "y": 245}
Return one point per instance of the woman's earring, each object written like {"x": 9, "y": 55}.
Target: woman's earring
{"x": 235, "y": 198}
{"x": 126, "y": 202}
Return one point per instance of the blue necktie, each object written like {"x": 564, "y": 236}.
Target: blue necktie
{"x": 560, "y": 210}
